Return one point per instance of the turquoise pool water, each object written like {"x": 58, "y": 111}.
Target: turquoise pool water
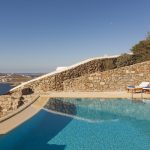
{"x": 84, "y": 124}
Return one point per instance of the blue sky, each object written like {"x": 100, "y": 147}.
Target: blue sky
{"x": 38, "y": 35}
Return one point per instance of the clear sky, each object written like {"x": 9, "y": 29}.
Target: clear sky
{"x": 38, "y": 35}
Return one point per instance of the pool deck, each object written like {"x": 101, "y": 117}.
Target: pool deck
{"x": 30, "y": 111}
{"x": 107, "y": 95}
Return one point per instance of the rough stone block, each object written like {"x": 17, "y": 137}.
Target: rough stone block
{"x": 102, "y": 83}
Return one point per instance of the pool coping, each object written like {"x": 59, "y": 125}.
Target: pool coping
{"x": 104, "y": 95}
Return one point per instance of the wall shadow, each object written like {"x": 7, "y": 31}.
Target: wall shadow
{"x": 36, "y": 133}
{"x": 61, "y": 106}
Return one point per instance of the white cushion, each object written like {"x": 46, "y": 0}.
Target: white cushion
{"x": 144, "y": 84}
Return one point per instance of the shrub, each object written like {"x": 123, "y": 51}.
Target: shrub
{"x": 142, "y": 50}
{"x": 124, "y": 60}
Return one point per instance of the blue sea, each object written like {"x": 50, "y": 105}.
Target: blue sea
{"x": 4, "y": 88}
{"x": 84, "y": 124}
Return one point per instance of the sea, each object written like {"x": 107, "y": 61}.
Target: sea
{"x": 4, "y": 88}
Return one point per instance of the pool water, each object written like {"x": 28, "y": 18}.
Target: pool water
{"x": 84, "y": 124}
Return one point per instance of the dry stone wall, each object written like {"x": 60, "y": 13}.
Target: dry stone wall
{"x": 10, "y": 103}
{"x": 55, "y": 82}
{"x": 7, "y": 104}
{"x": 91, "y": 77}
{"x": 112, "y": 80}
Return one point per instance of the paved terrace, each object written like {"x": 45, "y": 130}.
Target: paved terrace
{"x": 115, "y": 94}
{"x": 18, "y": 119}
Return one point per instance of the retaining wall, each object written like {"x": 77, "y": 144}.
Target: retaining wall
{"x": 112, "y": 80}
{"x": 54, "y": 81}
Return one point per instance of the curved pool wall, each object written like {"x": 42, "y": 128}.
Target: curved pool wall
{"x": 91, "y": 125}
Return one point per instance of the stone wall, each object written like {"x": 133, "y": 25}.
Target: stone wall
{"x": 7, "y": 104}
{"x": 10, "y": 103}
{"x": 112, "y": 80}
{"x": 91, "y": 76}
{"x": 55, "y": 82}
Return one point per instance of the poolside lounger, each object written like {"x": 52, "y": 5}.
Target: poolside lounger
{"x": 138, "y": 88}
{"x": 146, "y": 100}
{"x": 146, "y": 89}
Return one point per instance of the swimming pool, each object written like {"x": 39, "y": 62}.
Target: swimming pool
{"x": 84, "y": 124}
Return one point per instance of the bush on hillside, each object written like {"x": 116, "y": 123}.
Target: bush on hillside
{"x": 125, "y": 60}
{"x": 142, "y": 50}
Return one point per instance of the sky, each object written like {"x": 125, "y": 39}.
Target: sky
{"x": 39, "y": 35}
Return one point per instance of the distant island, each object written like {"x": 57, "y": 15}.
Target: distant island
{"x": 15, "y": 79}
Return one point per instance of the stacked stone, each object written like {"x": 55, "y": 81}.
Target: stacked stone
{"x": 55, "y": 82}
{"x": 7, "y": 105}
{"x": 111, "y": 80}
{"x": 10, "y": 103}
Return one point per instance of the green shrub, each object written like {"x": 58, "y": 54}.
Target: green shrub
{"x": 124, "y": 60}
{"x": 142, "y": 50}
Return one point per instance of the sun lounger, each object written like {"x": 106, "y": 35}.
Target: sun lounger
{"x": 146, "y": 89}
{"x": 138, "y": 88}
